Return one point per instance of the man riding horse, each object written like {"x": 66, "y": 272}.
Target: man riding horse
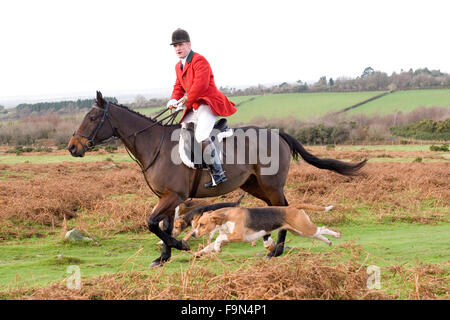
{"x": 146, "y": 139}
{"x": 203, "y": 101}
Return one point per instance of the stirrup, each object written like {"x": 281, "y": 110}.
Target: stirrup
{"x": 214, "y": 182}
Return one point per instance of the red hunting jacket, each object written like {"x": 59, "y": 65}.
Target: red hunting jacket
{"x": 197, "y": 80}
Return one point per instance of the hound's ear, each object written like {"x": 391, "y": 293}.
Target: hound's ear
{"x": 99, "y": 99}
{"x": 217, "y": 218}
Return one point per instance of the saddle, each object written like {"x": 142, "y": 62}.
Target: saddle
{"x": 191, "y": 151}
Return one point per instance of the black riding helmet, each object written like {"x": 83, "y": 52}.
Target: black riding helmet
{"x": 179, "y": 36}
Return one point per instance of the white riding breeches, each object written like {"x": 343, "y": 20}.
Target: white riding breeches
{"x": 203, "y": 119}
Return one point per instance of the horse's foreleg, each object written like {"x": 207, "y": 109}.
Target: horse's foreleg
{"x": 278, "y": 199}
{"x": 165, "y": 209}
{"x": 279, "y": 246}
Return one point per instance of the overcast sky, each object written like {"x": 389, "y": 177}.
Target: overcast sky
{"x": 53, "y": 47}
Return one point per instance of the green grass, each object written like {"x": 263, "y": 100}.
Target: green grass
{"x": 58, "y": 158}
{"x": 42, "y": 259}
{"x": 387, "y": 147}
{"x": 308, "y": 105}
{"x": 35, "y": 261}
{"x": 5, "y": 174}
{"x": 298, "y": 105}
{"x": 405, "y": 101}
{"x": 123, "y": 156}
{"x": 242, "y": 99}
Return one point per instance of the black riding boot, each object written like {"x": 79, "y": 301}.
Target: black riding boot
{"x": 214, "y": 165}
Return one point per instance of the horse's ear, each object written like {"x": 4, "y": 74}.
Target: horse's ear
{"x": 100, "y": 100}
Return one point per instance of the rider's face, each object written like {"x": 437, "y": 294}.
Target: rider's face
{"x": 182, "y": 49}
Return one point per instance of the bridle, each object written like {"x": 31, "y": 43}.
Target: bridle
{"x": 91, "y": 138}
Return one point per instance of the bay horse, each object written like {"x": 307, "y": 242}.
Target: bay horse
{"x": 147, "y": 140}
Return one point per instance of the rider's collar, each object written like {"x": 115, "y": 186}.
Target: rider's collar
{"x": 188, "y": 58}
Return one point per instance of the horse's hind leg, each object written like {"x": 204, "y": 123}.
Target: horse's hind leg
{"x": 165, "y": 209}
{"x": 278, "y": 199}
{"x": 272, "y": 187}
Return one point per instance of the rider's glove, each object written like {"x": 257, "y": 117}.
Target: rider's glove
{"x": 172, "y": 104}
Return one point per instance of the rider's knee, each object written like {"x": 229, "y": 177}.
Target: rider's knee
{"x": 201, "y": 136}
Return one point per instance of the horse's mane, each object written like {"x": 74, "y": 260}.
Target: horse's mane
{"x": 141, "y": 115}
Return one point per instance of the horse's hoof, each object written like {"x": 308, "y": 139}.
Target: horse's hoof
{"x": 185, "y": 246}
{"x": 276, "y": 252}
{"x": 155, "y": 264}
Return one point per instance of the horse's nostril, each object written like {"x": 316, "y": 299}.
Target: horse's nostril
{"x": 71, "y": 148}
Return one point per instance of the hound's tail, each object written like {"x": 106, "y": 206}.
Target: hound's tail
{"x": 346, "y": 169}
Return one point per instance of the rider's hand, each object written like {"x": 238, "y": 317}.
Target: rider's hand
{"x": 172, "y": 104}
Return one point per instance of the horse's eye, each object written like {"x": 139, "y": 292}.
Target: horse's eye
{"x": 92, "y": 118}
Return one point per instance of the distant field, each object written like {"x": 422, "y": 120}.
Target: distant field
{"x": 236, "y": 100}
{"x": 405, "y": 101}
{"x": 310, "y": 105}
{"x": 299, "y": 105}
{"x": 242, "y": 99}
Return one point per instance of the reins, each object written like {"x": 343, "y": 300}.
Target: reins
{"x": 169, "y": 121}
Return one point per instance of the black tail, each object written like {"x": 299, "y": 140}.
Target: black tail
{"x": 346, "y": 169}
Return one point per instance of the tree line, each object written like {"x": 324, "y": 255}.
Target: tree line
{"x": 58, "y": 107}
{"x": 369, "y": 80}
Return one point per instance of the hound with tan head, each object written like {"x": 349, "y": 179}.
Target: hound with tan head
{"x": 249, "y": 224}
{"x": 193, "y": 214}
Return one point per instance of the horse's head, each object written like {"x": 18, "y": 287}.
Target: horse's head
{"x": 95, "y": 128}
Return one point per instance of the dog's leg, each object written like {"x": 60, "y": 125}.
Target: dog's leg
{"x": 322, "y": 238}
{"x": 268, "y": 243}
{"x": 313, "y": 207}
{"x": 221, "y": 240}
{"x": 211, "y": 235}
{"x": 325, "y": 230}
{"x": 205, "y": 250}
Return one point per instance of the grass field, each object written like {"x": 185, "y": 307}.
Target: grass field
{"x": 299, "y": 105}
{"x": 395, "y": 216}
{"x": 311, "y": 105}
{"x": 62, "y": 156}
{"x": 405, "y": 101}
